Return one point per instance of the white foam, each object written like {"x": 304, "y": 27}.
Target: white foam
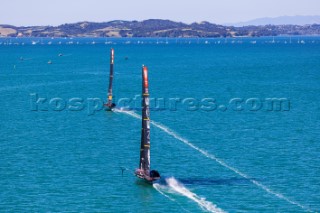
{"x": 158, "y": 187}
{"x": 221, "y": 162}
{"x": 161, "y": 188}
{"x": 202, "y": 202}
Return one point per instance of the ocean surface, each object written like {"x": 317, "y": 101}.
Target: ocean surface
{"x": 60, "y": 154}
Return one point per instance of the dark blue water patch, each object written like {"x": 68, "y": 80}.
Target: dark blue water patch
{"x": 215, "y": 181}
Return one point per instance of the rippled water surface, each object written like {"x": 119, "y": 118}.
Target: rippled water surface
{"x": 223, "y": 160}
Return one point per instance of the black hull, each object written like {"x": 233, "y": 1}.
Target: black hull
{"x": 148, "y": 180}
{"x": 109, "y": 108}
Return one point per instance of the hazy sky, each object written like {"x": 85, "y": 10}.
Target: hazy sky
{"x": 55, "y": 12}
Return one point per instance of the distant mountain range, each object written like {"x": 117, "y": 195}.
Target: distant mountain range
{"x": 155, "y": 28}
{"x": 282, "y": 20}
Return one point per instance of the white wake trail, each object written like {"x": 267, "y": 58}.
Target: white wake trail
{"x": 221, "y": 162}
{"x": 160, "y": 189}
{"x": 202, "y": 202}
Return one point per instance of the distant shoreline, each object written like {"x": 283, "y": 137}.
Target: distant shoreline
{"x": 169, "y": 38}
{"x": 156, "y": 28}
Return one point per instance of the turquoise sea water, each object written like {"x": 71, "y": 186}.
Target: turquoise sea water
{"x": 224, "y": 160}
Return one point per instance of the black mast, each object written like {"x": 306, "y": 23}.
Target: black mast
{"x": 145, "y": 131}
{"x": 143, "y": 171}
{"x": 109, "y": 103}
